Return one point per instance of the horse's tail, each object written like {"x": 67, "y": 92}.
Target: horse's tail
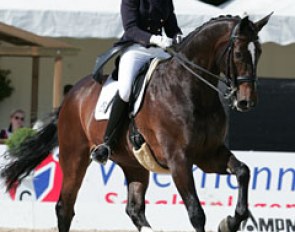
{"x": 24, "y": 158}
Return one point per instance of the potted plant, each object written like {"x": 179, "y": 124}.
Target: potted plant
{"x": 18, "y": 137}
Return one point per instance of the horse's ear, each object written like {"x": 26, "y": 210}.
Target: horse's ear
{"x": 262, "y": 22}
{"x": 244, "y": 23}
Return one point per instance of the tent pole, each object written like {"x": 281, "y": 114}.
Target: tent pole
{"x": 57, "y": 81}
{"x": 34, "y": 93}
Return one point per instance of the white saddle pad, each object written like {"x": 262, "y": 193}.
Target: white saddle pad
{"x": 109, "y": 89}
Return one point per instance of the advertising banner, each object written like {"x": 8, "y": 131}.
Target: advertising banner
{"x": 102, "y": 198}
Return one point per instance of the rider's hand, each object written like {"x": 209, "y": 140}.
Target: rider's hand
{"x": 161, "y": 41}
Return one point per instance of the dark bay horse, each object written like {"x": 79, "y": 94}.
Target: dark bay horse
{"x": 182, "y": 120}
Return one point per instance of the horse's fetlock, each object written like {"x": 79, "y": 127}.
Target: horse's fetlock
{"x": 198, "y": 218}
{"x": 128, "y": 210}
{"x": 133, "y": 209}
{"x": 242, "y": 214}
{"x": 58, "y": 208}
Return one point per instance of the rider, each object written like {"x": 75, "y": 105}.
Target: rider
{"x": 143, "y": 21}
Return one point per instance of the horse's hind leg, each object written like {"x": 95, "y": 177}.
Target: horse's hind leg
{"x": 229, "y": 163}
{"x": 74, "y": 162}
{"x": 137, "y": 180}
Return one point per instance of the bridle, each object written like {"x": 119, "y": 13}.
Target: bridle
{"x": 231, "y": 82}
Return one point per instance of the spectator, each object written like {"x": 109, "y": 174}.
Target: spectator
{"x": 17, "y": 120}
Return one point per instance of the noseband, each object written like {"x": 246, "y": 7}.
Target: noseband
{"x": 232, "y": 82}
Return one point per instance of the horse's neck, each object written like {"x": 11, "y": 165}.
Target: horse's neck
{"x": 205, "y": 47}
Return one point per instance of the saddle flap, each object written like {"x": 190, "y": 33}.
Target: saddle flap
{"x": 110, "y": 87}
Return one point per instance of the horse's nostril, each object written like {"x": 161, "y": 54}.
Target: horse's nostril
{"x": 243, "y": 104}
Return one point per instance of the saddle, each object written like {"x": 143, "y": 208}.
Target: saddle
{"x": 103, "y": 59}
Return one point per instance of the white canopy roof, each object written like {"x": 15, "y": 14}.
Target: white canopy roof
{"x": 101, "y": 18}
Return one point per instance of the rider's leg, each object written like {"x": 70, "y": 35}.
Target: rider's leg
{"x": 101, "y": 152}
{"x": 130, "y": 63}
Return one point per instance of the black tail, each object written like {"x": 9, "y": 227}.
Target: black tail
{"x": 23, "y": 159}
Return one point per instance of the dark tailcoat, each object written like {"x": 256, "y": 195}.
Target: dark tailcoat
{"x": 144, "y": 18}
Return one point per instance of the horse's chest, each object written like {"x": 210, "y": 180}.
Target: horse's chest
{"x": 210, "y": 130}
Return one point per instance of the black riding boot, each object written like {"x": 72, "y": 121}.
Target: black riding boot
{"x": 102, "y": 152}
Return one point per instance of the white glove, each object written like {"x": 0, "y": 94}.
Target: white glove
{"x": 161, "y": 41}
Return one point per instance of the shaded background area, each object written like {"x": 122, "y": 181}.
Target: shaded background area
{"x": 271, "y": 125}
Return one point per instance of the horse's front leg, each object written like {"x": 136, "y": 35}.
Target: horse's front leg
{"x": 242, "y": 172}
{"x": 137, "y": 181}
{"x": 182, "y": 175}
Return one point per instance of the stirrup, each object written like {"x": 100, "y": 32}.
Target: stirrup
{"x": 101, "y": 153}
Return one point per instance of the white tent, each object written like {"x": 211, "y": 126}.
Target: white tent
{"x": 101, "y": 18}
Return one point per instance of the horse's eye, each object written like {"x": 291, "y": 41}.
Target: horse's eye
{"x": 238, "y": 55}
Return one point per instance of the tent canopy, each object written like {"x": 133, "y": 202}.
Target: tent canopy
{"x": 29, "y": 44}
{"x": 101, "y": 19}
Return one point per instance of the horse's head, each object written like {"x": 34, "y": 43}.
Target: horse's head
{"x": 226, "y": 45}
{"x": 241, "y": 57}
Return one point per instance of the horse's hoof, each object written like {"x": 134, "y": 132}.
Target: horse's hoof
{"x": 146, "y": 229}
{"x": 223, "y": 226}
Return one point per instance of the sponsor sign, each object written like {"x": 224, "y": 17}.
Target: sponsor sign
{"x": 42, "y": 185}
{"x": 276, "y": 224}
{"x": 271, "y": 194}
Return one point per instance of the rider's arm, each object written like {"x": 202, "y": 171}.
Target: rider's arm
{"x": 130, "y": 18}
{"x": 171, "y": 27}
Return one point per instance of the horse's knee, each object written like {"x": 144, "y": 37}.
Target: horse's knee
{"x": 240, "y": 169}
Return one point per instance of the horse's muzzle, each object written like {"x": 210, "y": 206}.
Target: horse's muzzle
{"x": 246, "y": 98}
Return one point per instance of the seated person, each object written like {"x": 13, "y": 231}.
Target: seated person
{"x": 17, "y": 119}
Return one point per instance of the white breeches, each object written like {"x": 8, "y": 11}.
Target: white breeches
{"x": 133, "y": 58}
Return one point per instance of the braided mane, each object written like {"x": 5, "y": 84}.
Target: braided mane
{"x": 212, "y": 20}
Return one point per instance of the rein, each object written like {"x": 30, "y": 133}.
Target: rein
{"x": 227, "y": 81}
{"x": 186, "y": 63}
